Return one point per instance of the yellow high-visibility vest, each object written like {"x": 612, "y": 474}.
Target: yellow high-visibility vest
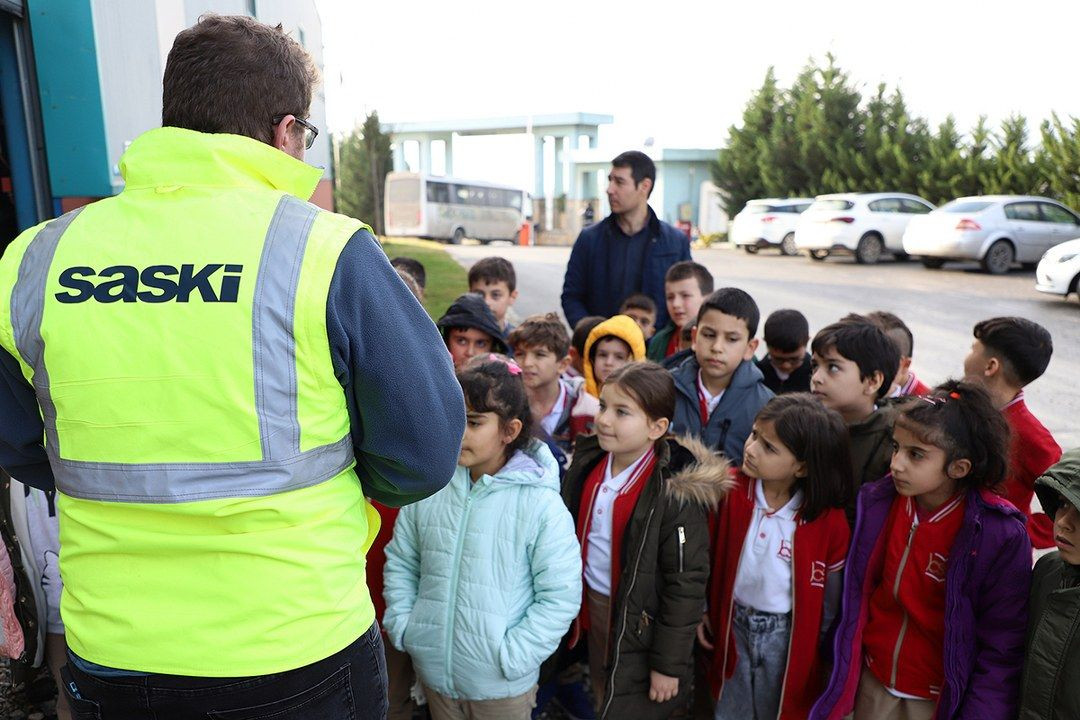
{"x": 211, "y": 523}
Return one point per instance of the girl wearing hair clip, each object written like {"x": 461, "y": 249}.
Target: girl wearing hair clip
{"x": 935, "y": 597}
{"x": 483, "y": 578}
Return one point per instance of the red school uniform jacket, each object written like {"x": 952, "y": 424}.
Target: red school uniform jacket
{"x": 905, "y": 631}
{"x": 820, "y": 549}
{"x": 376, "y": 557}
{"x": 1033, "y": 450}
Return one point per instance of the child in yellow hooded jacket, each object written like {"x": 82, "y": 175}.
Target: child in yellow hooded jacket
{"x": 611, "y": 344}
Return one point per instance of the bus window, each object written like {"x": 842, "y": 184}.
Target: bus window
{"x": 438, "y": 192}
{"x": 404, "y": 190}
{"x": 460, "y": 195}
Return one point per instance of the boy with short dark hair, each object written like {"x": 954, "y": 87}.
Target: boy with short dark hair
{"x": 415, "y": 268}
{"x": 1052, "y": 664}
{"x": 686, "y": 284}
{"x": 1008, "y": 354}
{"x": 642, "y": 308}
{"x": 560, "y": 407}
{"x": 853, "y": 364}
{"x": 905, "y": 383}
{"x": 577, "y": 344}
{"x": 495, "y": 279}
{"x": 786, "y": 365}
{"x": 719, "y": 388}
{"x": 469, "y": 328}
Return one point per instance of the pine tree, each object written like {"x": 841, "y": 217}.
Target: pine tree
{"x": 364, "y": 161}
{"x": 737, "y": 170}
{"x": 1059, "y": 159}
{"x": 940, "y": 179}
{"x": 1014, "y": 170}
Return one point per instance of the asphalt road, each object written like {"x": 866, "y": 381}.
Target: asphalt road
{"x": 940, "y": 307}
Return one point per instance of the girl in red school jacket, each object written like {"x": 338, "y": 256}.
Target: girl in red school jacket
{"x": 780, "y": 539}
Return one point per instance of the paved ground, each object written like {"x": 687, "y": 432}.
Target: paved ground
{"x": 940, "y": 307}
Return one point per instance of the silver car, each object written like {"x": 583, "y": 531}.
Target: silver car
{"x": 996, "y": 230}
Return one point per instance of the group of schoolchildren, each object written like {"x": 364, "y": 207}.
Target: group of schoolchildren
{"x": 653, "y": 523}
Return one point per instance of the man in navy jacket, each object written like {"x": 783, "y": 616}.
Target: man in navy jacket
{"x": 629, "y": 251}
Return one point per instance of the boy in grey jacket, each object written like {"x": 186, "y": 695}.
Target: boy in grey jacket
{"x": 720, "y": 389}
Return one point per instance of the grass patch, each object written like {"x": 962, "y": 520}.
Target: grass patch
{"x": 446, "y": 280}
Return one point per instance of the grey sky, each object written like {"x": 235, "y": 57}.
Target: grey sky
{"x": 682, "y": 71}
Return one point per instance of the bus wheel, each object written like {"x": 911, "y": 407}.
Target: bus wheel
{"x": 458, "y": 236}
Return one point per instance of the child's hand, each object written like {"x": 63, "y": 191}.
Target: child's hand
{"x": 704, "y": 632}
{"x": 661, "y": 687}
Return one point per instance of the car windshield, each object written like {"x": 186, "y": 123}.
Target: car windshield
{"x": 966, "y": 206}
{"x": 757, "y": 208}
{"x": 832, "y": 204}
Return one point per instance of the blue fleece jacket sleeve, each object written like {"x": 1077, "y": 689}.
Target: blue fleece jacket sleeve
{"x": 405, "y": 404}
{"x": 22, "y": 432}
{"x": 573, "y": 293}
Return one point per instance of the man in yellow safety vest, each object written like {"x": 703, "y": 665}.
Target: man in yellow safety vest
{"x": 213, "y": 374}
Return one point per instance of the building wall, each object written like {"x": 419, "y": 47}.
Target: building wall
{"x": 681, "y": 183}
{"x": 130, "y": 68}
{"x": 101, "y": 63}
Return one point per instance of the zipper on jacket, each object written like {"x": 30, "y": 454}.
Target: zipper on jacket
{"x": 609, "y": 693}
{"x": 725, "y": 427}
{"x": 452, "y": 600}
{"x": 791, "y": 629}
{"x": 682, "y": 544}
{"x": 728, "y": 624}
{"x": 896, "y": 597}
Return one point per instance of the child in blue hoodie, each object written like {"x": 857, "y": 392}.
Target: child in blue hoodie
{"x": 483, "y": 578}
{"x": 719, "y": 388}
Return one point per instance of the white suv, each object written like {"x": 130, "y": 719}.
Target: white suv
{"x": 769, "y": 222}
{"x": 866, "y": 225}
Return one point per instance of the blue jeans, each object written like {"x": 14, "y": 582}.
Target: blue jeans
{"x": 348, "y": 685}
{"x": 761, "y": 642}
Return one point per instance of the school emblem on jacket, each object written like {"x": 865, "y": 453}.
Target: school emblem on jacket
{"x": 817, "y": 574}
{"x": 936, "y": 566}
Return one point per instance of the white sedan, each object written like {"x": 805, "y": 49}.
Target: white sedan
{"x": 1059, "y": 270}
{"x": 769, "y": 222}
{"x": 866, "y": 225}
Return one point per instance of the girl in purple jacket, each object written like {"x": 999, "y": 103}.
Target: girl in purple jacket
{"x": 935, "y": 592}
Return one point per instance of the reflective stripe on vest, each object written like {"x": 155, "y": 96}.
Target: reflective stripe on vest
{"x": 283, "y": 466}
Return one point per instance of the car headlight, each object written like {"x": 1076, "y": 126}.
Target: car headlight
{"x": 1067, "y": 257}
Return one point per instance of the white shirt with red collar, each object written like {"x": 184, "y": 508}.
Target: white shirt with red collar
{"x": 763, "y": 581}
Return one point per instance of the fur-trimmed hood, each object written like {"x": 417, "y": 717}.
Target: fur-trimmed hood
{"x": 705, "y": 479}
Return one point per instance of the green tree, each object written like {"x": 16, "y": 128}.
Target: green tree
{"x": 364, "y": 159}
{"x": 1059, "y": 159}
{"x": 978, "y": 160}
{"x": 941, "y": 176}
{"x": 819, "y": 136}
{"x": 827, "y": 126}
{"x": 1014, "y": 169}
{"x": 738, "y": 168}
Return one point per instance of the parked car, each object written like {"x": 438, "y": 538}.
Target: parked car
{"x": 1059, "y": 270}
{"x": 769, "y": 222}
{"x": 996, "y": 230}
{"x": 866, "y": 225}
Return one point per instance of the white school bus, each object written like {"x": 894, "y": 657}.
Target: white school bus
{"x": 450, "y": 209}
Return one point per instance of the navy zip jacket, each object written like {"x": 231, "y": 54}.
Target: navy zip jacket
{"x": 731, "y": 421}
{"x": 406, "y": 408}
{"x": 592, "y": 288}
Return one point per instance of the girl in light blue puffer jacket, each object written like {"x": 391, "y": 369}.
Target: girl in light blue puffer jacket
{"x": 483, "y": 578}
